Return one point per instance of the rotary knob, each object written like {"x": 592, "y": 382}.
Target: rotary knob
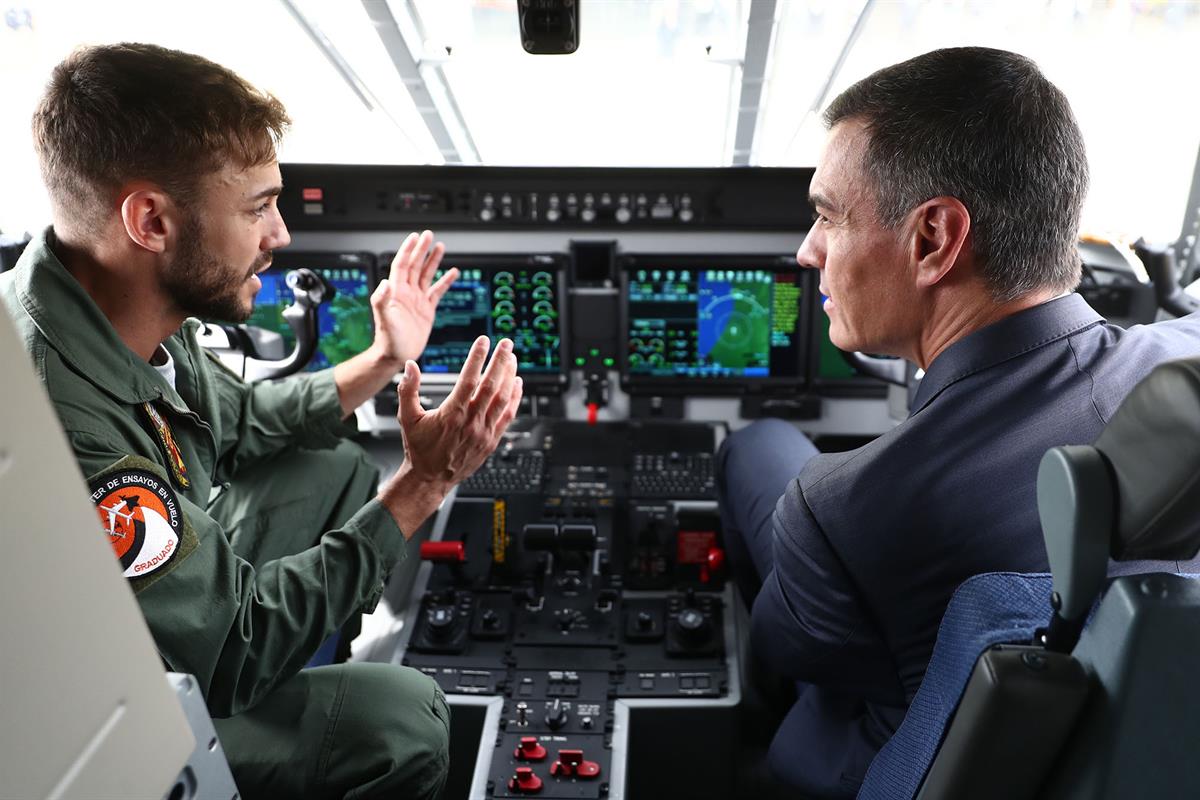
{"x": 623, "y": 215}
{"x": 441, "y": 621}
{"x": 556, "y": 715}
{"x": 553, "y": 214}
{"x": 693, "y": 624}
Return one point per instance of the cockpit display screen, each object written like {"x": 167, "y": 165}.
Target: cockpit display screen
{"x": 344, "y": 324}
{"x": 717, "y": 320}
{"x": 521, "y": 299}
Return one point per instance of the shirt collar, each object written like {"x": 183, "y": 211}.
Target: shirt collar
{"x": 77, "y": 329}
{"x": 1009, "y": 338}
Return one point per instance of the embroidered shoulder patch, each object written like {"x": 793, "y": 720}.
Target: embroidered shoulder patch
{"x": 142, "y": 517}
{"x": 169, "y": 446}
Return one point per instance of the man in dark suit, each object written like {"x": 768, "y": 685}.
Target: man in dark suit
{"x": 948, "y": 199}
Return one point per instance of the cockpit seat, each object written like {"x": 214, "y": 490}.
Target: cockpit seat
{"x": 1077, "y": 684}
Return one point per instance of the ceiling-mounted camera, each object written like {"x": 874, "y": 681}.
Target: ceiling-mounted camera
{"x": 549, "y": 27}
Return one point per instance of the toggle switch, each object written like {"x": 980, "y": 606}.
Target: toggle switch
{"x": 713, "y": 568}
{"x": 530, "y": 749}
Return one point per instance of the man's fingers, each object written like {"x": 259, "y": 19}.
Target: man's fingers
{"x": 400, "y": 261}
{"x": 431, "y": 264}
{"x": 381, "y": 291}
{"x": 417, "y": 260}
{"x": 468, "y": 377}
{"x": 410, "y": 394}
{"x": 506, "y": 376}
{"x": 504, "y": 406}
{"x": 443, "y": 283}
{"x": 502, "y": 365}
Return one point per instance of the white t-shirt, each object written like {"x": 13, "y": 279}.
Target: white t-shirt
{"x": 165, "y": 365}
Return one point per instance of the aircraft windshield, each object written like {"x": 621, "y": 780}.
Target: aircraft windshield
{"x": 654, "y": 82}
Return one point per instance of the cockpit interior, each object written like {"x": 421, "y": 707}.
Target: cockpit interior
{"x": 622, "y": 187}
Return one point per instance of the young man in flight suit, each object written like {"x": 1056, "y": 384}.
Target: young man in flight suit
{"x": 162, "y": 171}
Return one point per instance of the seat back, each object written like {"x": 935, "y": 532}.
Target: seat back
{"x": 1097, "y": 704}
{"x": 986, "y": 610}
{"x": 1138, "y": 733}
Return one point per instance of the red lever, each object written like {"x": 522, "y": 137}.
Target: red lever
{"x": 593, "y": 412}
{"x": 525, "y": 781}
{"x": 452, "y": 552}
{"x": 571, "y": 762}
{"x": 713, "y": 566}
{"x": 529, "y": 750}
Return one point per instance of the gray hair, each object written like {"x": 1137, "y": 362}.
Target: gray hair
{"x": 986, "y": 127}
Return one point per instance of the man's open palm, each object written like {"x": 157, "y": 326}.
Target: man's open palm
{"x": 404, "y": 303}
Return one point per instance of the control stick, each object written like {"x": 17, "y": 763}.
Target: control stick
{"x": 309, "y": 290}
{"x": 1160, "y": 266}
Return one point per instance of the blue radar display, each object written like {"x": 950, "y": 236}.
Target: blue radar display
{"x": 344, "y": 324}
{"x": 518, "y": 302}
{"x": 713, "y": 323}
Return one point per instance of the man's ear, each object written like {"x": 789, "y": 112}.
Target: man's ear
{"x": 940, "y": 229}
{"x": 151, "y": 218}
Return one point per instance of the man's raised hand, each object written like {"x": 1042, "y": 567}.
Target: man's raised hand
{"x": 404, "y": 302}
{"x": 449, "y": 443}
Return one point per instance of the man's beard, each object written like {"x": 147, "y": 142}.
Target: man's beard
{"x": 202, "y": 286}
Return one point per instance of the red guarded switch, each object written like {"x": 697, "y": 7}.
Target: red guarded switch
{"x": 525, "y": 782}
{"x": 448, "y": 552}
{"x": 713, "y": 567}
{"x": 529, "y": 750}
{"x": 571, "y": 763}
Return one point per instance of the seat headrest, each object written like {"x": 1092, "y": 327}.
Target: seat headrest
{"x": 1152, "y": 445}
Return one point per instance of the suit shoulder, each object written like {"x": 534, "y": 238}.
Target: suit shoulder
{"x": 827, "y": 471}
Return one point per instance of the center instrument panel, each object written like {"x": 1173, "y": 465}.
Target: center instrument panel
{"x": 576, "y": 581}
{"x": 572, "y": 601}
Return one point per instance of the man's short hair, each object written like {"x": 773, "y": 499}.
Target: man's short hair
{"x": 115, "y": 113}
{"x": 987, "y": 127}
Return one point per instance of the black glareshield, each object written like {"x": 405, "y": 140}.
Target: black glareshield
{"x": 722, "y": 324}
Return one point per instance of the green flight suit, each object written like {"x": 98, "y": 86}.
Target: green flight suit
{"x": 254, "y": 584}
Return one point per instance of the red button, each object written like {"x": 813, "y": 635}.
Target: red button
{"x": 525, "y": 781}
{"x": 529, "y": 750}
{"x": 312, "y": 194}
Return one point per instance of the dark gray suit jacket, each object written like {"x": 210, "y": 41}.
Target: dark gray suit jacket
{"x": 870, "y": 544}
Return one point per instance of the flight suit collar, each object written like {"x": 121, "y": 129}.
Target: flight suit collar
{"x": 1009, "y": 338}
{"x": 78, "y": 330}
